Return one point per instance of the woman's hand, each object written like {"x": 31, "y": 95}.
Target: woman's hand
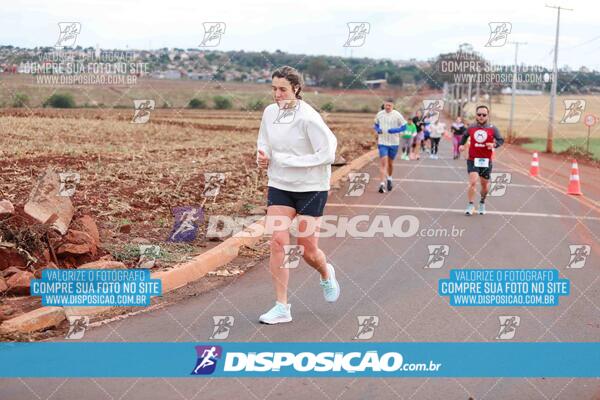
{"x": 262, "y": 160}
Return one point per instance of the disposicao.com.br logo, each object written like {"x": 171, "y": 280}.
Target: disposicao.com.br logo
{"x": 305, "y": 362}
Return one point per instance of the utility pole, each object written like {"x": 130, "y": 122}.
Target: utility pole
{"x": 454, "y": 101}
{"x": 490, "y": 94}
{"x": 459, "y": 95}
{"x": 459, "y": 100}
{"x": 469, "y": 92}
{"x": 549, "y": 141}
{"x": 513, "y": 93}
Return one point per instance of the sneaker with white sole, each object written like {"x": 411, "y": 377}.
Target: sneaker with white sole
{"x": 277, "y": 315}
{"x": 331, "y": 287}
{"x": 470, "y": 209}
{"x": 481, "y": 208}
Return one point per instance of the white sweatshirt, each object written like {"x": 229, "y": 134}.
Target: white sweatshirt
{"x": 300, "y": 147}
{"x": 389, "y": 120}
{"x": 437, "y": 130}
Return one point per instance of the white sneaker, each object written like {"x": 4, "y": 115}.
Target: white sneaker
{"x": 470, "y": 209}
{"x": 277, "y": 315}
{"x": 481, "y": 208}
{"x": 331, "y": 287}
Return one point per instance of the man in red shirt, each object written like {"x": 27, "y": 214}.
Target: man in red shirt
{"x": 484, "y": 137}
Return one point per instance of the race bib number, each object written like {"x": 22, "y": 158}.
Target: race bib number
{"x": 482, "y": 162}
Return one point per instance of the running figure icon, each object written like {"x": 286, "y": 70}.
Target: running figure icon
{"x": 208, "y": 356}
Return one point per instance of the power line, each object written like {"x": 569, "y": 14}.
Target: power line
{"x": 582, "y": 43}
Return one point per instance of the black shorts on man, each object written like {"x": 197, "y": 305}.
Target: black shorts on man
{"x": 483, "y": 172}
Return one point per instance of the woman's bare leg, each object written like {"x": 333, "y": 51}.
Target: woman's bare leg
{"x": 307, "y": 237}
{"x": 279, "y": 218}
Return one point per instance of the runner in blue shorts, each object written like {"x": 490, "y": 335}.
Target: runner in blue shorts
{"x": 388, "y": 123}
{"x": 388, "y": 151}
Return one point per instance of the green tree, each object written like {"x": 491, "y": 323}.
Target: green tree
{"x": 316, "y": 68}
{"x": 197, "y": 103}
{"x": 60, "y": 100}
{"x": 327, "y": 107}
{"x": 20, "y": 99}
{"x": 222, "y": 103}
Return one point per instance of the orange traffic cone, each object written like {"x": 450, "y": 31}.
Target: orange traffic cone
{"x": 535, "y": 165}
{"x": 574, "y": 187}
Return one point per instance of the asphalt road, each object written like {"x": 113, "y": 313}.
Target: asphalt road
{"x": 530, "y": 226}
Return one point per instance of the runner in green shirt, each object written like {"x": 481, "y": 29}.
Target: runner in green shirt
{"x": 407, "y": 138}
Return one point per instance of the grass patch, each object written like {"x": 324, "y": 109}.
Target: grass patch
{"x": 575, "y": 145}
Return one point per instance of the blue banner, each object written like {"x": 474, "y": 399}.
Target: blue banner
{"x": 96, "y": 287}
{"x": 504, "y": 287}
{"x": 224, "y": 359}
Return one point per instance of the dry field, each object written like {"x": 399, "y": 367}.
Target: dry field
{"x": 177, "y": 93}
{"x": 132, "y": 175}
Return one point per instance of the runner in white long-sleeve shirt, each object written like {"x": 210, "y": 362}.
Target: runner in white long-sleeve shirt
{"x": 298, "y": 148}
{"x": 388, "y": 124}
{"x": 437, "y": 131}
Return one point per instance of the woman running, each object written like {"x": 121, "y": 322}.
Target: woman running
{"x": 418, "y": 146}
{"x": 437, "y": 131}
{"x": 408, "y": 137}
{"x": 298, "y": 148}
{"x": 458, "y": 130}
{"x": 426, "y": 142}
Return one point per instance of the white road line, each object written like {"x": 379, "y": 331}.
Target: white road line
{"x": 463, "y": 165}
{"x": 460, "y": 182}
{"x": 418, "y": 165}
{"x": 460, "y": 211}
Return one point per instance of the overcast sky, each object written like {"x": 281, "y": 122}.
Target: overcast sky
{"x": 399, "y": 30}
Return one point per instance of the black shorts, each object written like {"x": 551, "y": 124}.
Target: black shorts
{"x": 305, "y": 203}
{"x": 481, "y": 171}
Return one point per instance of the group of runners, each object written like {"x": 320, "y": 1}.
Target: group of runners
{"x": 422, "y": 133}
{"x": 297, "y": 148}
{"x": 418, "y": 135}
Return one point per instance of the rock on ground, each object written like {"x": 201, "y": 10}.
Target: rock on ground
{"x": 45, "y": 204}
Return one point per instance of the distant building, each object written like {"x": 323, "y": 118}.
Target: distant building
{"x": 376, "y": 83}
{"x": 522, "y": 92}
{"x": 24, "y": 68}
{"x": 308, "y": 81}
{"x": 200, "y": 76}
{"x": 170, "y": 74}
